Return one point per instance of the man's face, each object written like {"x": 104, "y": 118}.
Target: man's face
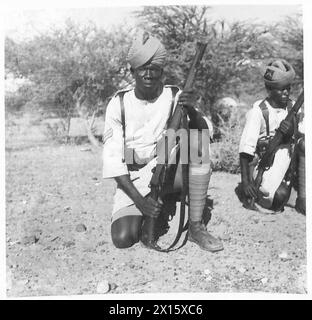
{"x": 148, "y": 76}
{"x": 280, "y": 96}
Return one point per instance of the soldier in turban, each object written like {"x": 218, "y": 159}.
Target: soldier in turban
{"x": 262, "y": 121}
{"x": 145, "y": 110}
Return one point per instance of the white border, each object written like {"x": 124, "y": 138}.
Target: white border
{"x": 36, "y": 4}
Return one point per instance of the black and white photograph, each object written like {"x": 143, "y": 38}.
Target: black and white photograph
{"x": 154, "y": 149}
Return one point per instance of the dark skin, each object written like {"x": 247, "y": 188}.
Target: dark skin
{"x": 278, "y": 98}
{"x": 149, "y": 86}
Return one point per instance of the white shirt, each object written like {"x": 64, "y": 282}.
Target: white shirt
{"x": 255, "y": 127}
{"x": 145, "y": 122}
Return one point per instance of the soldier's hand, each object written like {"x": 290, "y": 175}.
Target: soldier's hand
{"x": 150, "y": 207}
{"x": 250, "y": 190}
{"x": 188, "y": 99}
{"x": 286, "y": 127}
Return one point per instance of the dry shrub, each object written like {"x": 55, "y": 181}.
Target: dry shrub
{"x": 56, "y": 131}
{"x": 224, "y": 153}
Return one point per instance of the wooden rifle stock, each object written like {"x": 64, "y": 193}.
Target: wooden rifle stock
{"x": 274, "y": 143}
{"x": 167, "y": 144}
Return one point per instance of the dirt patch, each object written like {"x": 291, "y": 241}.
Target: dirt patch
{"x": 58, "y": 235}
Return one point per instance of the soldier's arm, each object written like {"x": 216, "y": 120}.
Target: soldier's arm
{"x": 247, "y": 181}
{"x": 147, "y": 206}
{"x": 189, "y": 100}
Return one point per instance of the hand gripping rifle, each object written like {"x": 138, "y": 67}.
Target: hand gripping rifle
{"x": 178, "y": 121}
{"x": 266, "y": 160}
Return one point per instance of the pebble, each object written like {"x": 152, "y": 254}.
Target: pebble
{"x": 81, "y": 227}
{"x": 67, "y": 208}
{"x": 103, "y": 287}
{"x": 255, "y": 220}
{"x": 242, "y": 270}
{"x": 207, "y": 272}
{"x": 264, "y": 280}
{"x": 284, "y": 256}
{"x": 27, "y": 240}
{"x": 113, "y": 286}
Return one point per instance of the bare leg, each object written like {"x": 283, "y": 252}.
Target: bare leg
{"x": 126, "y": 230}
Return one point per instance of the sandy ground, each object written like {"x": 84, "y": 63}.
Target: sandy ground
{"x": 58, "y": 233}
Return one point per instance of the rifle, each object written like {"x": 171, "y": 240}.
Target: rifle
{"x": 178, "y": 120}
{"x": 265, "y": 162}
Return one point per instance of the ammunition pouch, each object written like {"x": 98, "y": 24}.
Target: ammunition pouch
{"x": 262, "y": 145}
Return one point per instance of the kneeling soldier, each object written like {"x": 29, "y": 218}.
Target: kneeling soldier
{"x": 147, "y": 108}
{"x": 261, "y": 123}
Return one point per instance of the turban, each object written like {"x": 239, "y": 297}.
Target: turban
{"x": 146, "y": 48}
{"x": 279, "y": 74}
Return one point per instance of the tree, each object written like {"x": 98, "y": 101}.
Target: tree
{"x": 66, "y": 64}
{"x": 233, "y": 54}
{"x": 290, "y": 33}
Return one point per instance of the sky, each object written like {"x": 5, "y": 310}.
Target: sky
{"x": 24, "y": 22}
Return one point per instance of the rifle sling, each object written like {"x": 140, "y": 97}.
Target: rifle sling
{"x": 184, "y": 193}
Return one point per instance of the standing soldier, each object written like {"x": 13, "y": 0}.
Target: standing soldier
{"x": 138, "y": 118}
{"x": 262, "y": 121}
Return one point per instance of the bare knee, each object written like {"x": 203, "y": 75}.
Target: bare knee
{"x": 281, "y": 197}
{"x": 124, "y": 240}
{"x": 125, "y": 231}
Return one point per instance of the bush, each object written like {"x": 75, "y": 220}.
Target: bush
{"x": 14, "y": 102}
{"x": 56, "y": 131}
{"x": 224, "y": 154}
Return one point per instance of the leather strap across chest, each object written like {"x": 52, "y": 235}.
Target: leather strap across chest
{"x": 122, "y": 114}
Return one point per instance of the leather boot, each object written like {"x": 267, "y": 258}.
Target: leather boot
{"x": 199, "y": 235}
